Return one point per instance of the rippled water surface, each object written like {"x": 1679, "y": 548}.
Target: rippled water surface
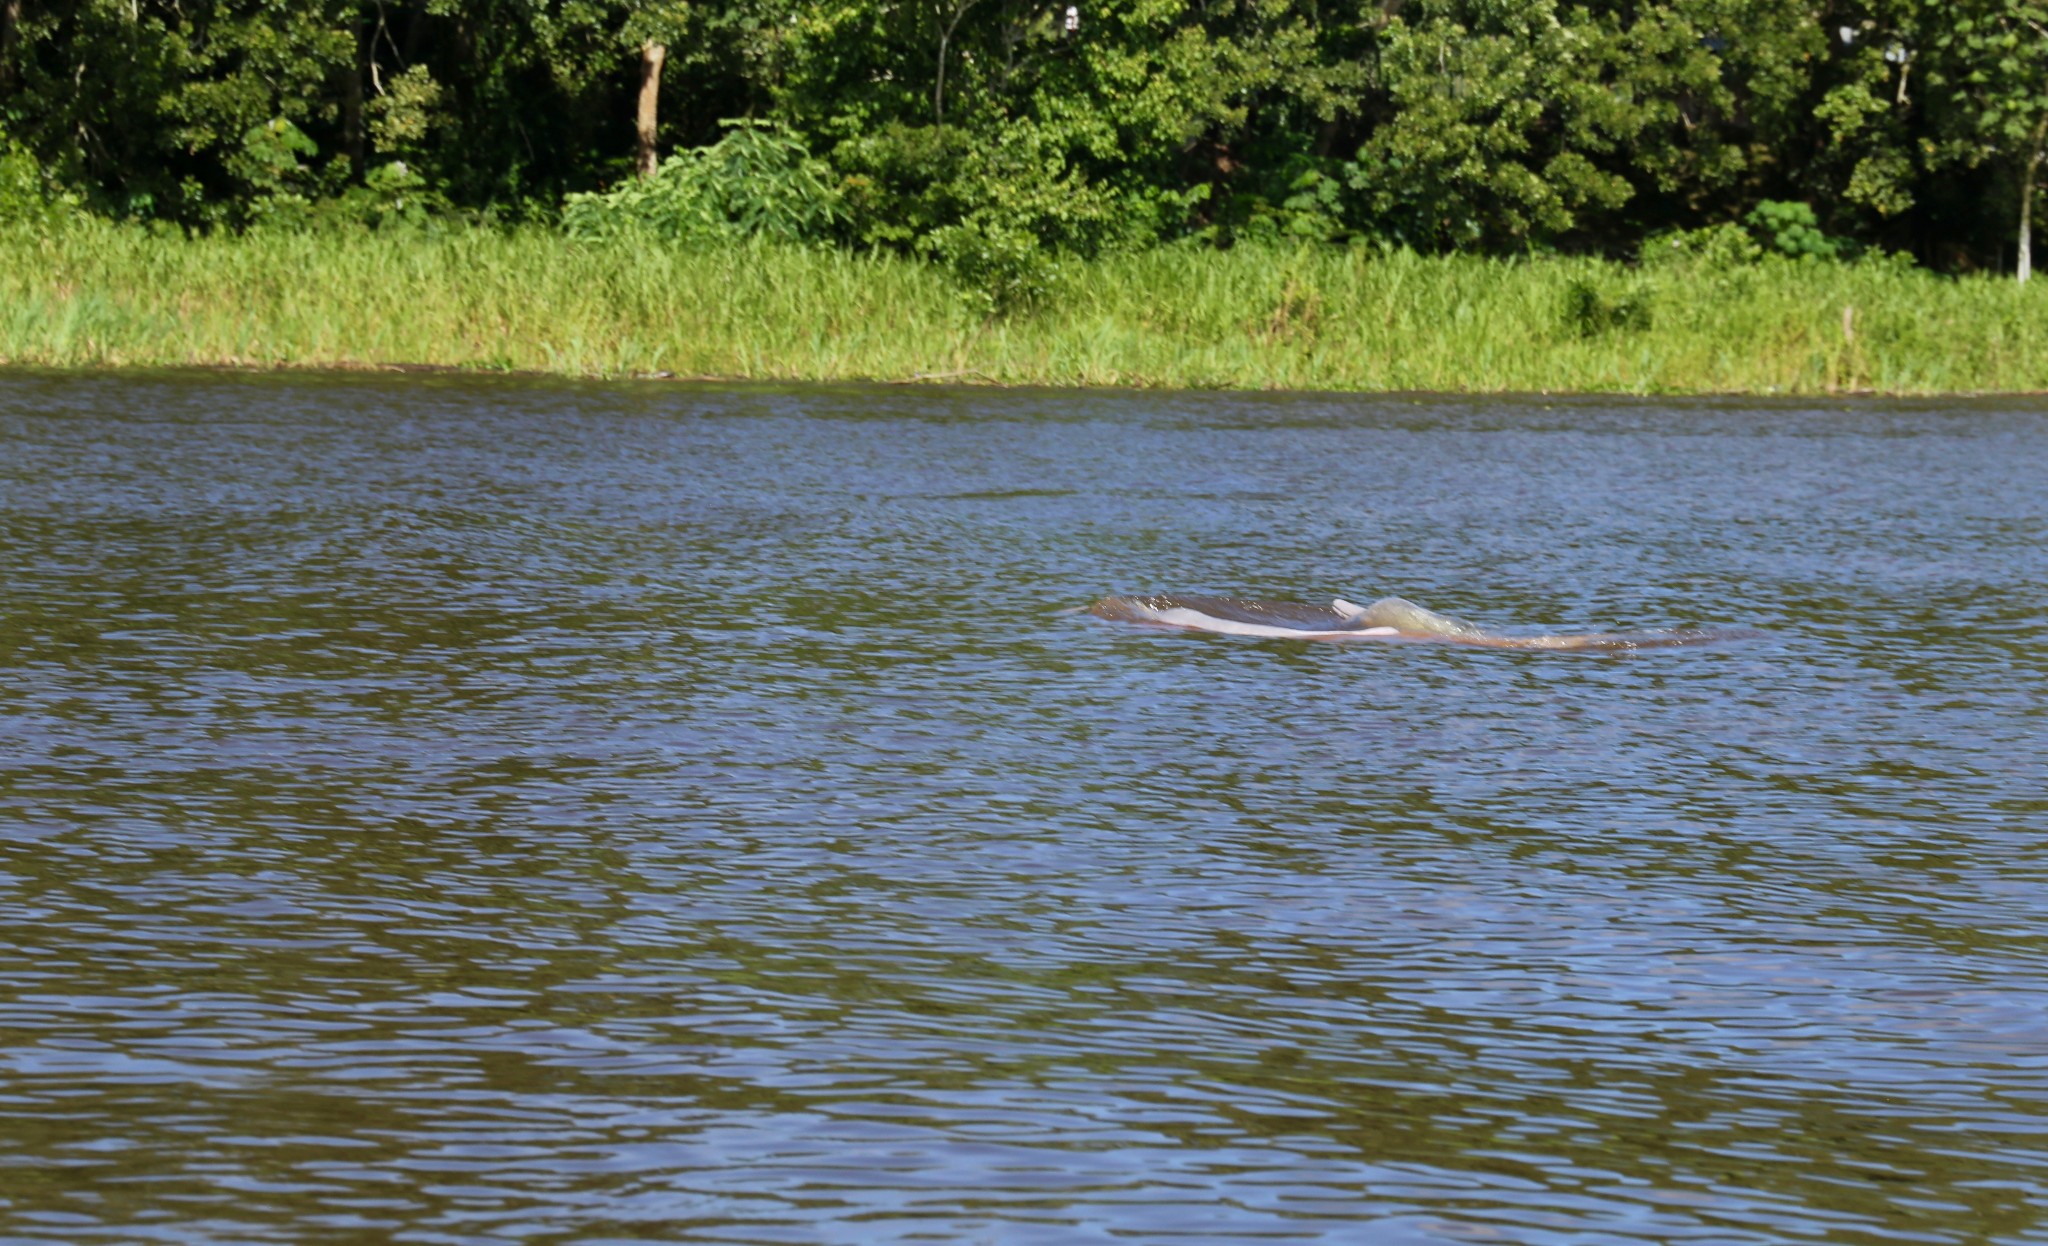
{"x": 482, "y": 811}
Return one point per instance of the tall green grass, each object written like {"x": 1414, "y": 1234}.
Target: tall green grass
{"x": 94, "y": 295}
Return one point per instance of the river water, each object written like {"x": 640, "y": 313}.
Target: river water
{"x": 441, "y": 810}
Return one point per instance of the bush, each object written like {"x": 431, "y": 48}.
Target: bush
{"x": 999, "y": 212}
{"x": 1716, "y": 246}
{"x": 25, "y": 194}
{"x": 758, "y": 181}
{"x": 1304, "y": 200}
{"x": 999, "y": 269}
{"x": 1590, "y": 310}
{"x": 392, "y": 196}
{"x": 21, "y": 183}
{"x": 1791, "y": 229}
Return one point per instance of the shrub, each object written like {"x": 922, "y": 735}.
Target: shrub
{"x": 1591, "y": 310}
{"x": 757, "y": 181}
{"x": 997, "y": 212}
{"x": 1000, "y": 269}
{"x": 1716, "y": 246}
{"x": 25, "y": 194}
{"x": 1791, "y": 229}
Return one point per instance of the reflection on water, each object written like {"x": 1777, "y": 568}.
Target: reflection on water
{"x": 459, "y": 811}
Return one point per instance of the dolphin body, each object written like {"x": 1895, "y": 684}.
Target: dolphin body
{"x": 1389, "y": 618}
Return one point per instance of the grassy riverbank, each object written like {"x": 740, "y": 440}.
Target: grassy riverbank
{"x": 97, "y": 296}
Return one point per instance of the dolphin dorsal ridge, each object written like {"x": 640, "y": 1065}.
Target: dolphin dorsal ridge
{"x": 1403, "y": 616}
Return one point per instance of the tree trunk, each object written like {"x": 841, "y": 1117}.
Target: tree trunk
{"x": 10, "y": 27}
{"x": 2026, "y": 264}
{"x": 945, "y": 41}
{"x": 352, "y": 104}
{"x": 652, "y": 55}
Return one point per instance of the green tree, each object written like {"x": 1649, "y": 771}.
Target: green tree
{"x": 995, "y": 135}
{"x": 1503, "y": 124}
{"x": 582, "y": 37}
{"x": 1992, "y": 57}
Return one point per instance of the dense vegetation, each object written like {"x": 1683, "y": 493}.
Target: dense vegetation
{"x": 995, "y": 134}
{"x": 1752, "y": 195}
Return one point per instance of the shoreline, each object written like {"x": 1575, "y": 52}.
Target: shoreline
{"x": 361, "y": 371}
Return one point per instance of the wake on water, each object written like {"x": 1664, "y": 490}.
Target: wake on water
{"x": 1388, "y": 619}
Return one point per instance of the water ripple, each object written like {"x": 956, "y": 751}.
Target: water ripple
{"x": 472, "y": 811}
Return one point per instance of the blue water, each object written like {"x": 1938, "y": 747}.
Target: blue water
{"x": 441, "y": 810}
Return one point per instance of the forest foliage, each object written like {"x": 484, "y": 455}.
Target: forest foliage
{"x": 1001, "y": 137}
